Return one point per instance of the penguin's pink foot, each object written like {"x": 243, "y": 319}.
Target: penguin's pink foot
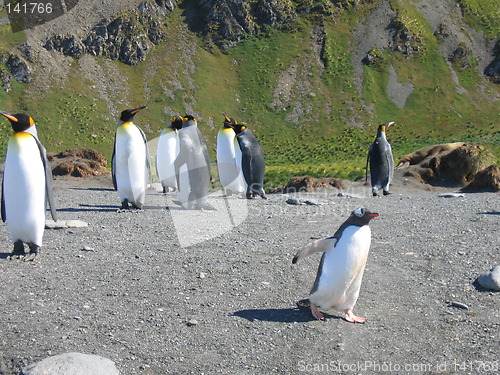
{"x": 316, "y": 313}
{"x": 350, "y": 317}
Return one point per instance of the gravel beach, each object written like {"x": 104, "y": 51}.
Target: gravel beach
{"x": 167, "y": 292}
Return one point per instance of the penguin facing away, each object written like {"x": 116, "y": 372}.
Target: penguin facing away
{"x": 26, "y": 187}
{"x": 229, "y": 159}
{"x": 166, "y": 153}
{"x": 130, "y": 162}
{"x": 381, "y": 161}
{"x": 252, "y": 160}
{"x": 192, "y": 167}
{"x": 340, "y": 272}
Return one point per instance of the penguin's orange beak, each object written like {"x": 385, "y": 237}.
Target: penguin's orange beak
{"x": 10, "y": 117}
{"x": 373, "y": 214}
{"x": 138, "y": 109}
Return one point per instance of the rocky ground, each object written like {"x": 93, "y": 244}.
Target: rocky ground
{"x": 129, "y": 289}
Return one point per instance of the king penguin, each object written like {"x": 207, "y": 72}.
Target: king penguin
{"x": 252, "y": 160}
{"x": 229, "y": 159}
{"x": 192, "y": 166}
{"x": 26, "y": 187}
{"x": 166, "y": 153}
{"x": 381, "y": 161}
{"x": 340, "y": 271}
{"x": 130, "y": 162}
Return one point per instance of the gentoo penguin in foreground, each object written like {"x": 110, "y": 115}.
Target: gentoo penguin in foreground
{"x": 166, "y": 153}
{"x": 252, "y": 160}
{"x": 229, "y": 159}
{"x": 26, "y": 187}
{"x": 381, "y": 161}
{"x": 130, "y": 161}
{"x": 192, "y": 166}
{"x": 342, "y": 265}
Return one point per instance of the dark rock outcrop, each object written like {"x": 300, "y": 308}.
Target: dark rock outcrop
{"x": 127, "y": 38}
{"x": 226, "y": 22}
{"x": 493, "y": 69}
{"x": 16, "y": 68}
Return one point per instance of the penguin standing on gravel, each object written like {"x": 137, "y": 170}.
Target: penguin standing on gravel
{"x": 192, "y": 166}
{"x": 252, "y": 160}
{"x": 166, "y": 153}
{"x": 381, "y": 161}
{"x": 26, "y": 187}
{"x": 130, "y": 162}
{"x": 229, "y": 159}
{"x": 340, "y": 271}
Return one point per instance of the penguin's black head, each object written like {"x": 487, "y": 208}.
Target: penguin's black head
{"x": 176, "y": 122}
{"x": 229, "y": 122}
{"x": 19, "y": 121}
{"x": 129, "y": 114}
{"x": 189, "y": 118}
{"x": 361, "y": 216}
{"x": 385, "y": 126}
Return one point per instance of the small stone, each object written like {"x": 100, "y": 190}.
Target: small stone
{"x": 202, "y": 275}
{"x": 491, "y": 279}
{"x": 293, "y": 201}
{"x": 88, "y": 248}
{"x": 451, "y": 195}
{"x": 460, "y": 305}
{"x": 192, "y": 322}
{"x": 76, "y": 224}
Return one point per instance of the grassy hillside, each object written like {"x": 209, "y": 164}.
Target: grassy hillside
{"x": 179, "y": 76}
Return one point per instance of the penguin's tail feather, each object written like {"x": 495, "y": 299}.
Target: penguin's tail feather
{"x": 303, "y": 303}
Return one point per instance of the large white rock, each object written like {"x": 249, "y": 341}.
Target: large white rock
{"x": 491, "y": 280}
{"x": 72, "y": 364}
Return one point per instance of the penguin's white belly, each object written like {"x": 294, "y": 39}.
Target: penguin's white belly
{"x": 342, "y": 270}
{"x": 24, "y": 190}
{"x": 229, "y": 161}
{"x": 130, "y": 162}
{"x": 167, "y": 151}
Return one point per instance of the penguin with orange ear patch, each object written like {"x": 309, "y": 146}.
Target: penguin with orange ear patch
{"x": 130, "y": 162}
{"x": 26, "y": 187}
{"x": 252, "y": 160}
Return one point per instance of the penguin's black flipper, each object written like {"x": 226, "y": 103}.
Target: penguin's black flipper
{"x": 113, "y": 165}
{"x": 49, "y": 191}
{"x": 367, "y": 162}
{"x": 3, "y": 204}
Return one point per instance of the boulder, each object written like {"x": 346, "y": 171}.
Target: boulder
{"x": 72, "y": 364}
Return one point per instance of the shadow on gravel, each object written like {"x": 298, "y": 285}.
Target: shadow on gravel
{"x": 4, "y": 256}
{"x": 104, "y": 208}
{"x": 93, "y": 189}
{"x": 90, "y": 207}
{"x": 280, "y": 315}
{"x": 481, "y": 288}
{"x": 489, "y": 213}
